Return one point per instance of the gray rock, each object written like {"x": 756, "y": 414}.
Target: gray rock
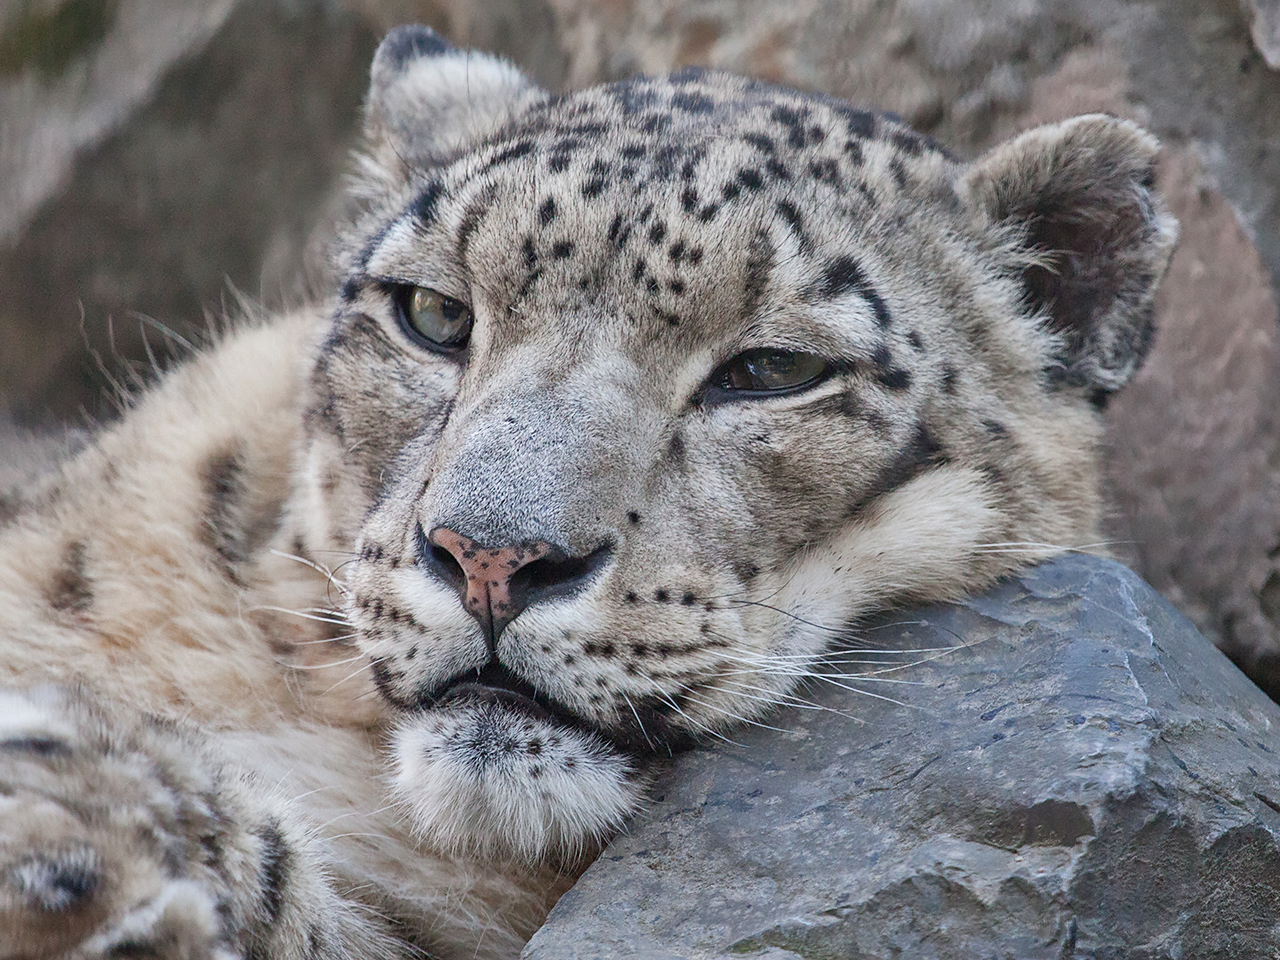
{"x": 159, "y": 182}
{"x": 1079, "y": 774}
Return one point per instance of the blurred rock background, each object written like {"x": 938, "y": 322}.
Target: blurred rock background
{"x": 160, "y": 158}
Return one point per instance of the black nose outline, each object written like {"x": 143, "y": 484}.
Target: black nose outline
{"x": 554, "y": 575}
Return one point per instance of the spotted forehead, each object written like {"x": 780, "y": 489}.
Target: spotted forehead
{"x": 675, "y": 192}
{"x": 706, "y": 138}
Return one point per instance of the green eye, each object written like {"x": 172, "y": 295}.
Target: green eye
{"x": 769, "y": 371}
{"x": 441, "y": 321}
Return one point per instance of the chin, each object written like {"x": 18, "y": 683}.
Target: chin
{"x": 490, "y": 770}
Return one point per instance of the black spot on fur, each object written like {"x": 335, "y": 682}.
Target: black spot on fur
{"x": 676, "y": 453}
{"x": 825, "y": 170}
{"x": 657, "y": 232}
{"x": 692, "y": 103}
{"x": 777, "y": 169}
{"x": 791, "y": 214}
{"x": 761, "y": 142}
{"x": 913, "y": 338}
{"x": 707, "y": 213}
{"x": 424, "y": 207}
{"x": 273, "y": 871}
{"x": 516, "y": 151}
{"x": 730, "y": 191}
{"x": 887, "y": 374}
{"x": 71, "y": 590}
{"x": 562, "y": 249}
{"x": 843, "y": 275}
{"x": 676, "y": 287}
{"x": 750, "y": 178}
{"x": 529, "y": 253}
{"x": 996, "y": 429}
{"x": 859, "y": 123}
{"x": 793, "y": 120}
{"x": 677, "y": 251}
{"x": 908, "y": 143}
{"x": 633, "y": 517}
{"x": 547, "y": 212}
{"x": 57, "y": 882}
{"x": 695, "y": 256}
{"x": 899, "y": 172}
{"x": 350, "y": 290}
{"x": 655, "y": 123}
{"x": 593, "y": 187}
{"x": 689, "y": 199}
{"x": 853, "y": 151}
{"x": 661, "y": 595}
{"x": 631, "y": 597}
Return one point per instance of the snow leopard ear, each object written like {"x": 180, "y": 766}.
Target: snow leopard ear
{"x": 1090, "y": 238}
{"x": 428, "y": 100}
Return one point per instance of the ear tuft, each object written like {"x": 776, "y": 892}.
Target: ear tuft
{"x": 1093, "y": 238}
{"x": 428, "y": 101}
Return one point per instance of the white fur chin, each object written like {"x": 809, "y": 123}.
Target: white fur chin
{"x": 485, "y": 780}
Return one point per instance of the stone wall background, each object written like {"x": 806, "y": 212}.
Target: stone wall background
{"x": 159, "y": 158}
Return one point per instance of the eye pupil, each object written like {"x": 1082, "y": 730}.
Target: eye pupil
{"x": 440, "y": 320}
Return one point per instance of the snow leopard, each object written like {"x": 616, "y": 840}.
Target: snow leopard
{"x": 360, "y": 632}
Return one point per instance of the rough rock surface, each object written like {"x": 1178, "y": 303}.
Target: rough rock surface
{"x": 1079, "y": 774}
{"x": 168, "y": 176}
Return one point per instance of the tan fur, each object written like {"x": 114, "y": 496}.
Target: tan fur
{"x": 243, "y": 708}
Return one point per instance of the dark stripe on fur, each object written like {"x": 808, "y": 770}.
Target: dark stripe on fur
{"x": 71, "y": 590}
{"x": 223, "y": 530}
{"x": 273, "y": 872}
{"x": 921, "y": 453}
{"x": 843, "y": 275}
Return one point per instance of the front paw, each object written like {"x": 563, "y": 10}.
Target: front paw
{"x": 109, "y": 836}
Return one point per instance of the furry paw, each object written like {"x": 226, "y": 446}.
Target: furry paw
{"x": 110, "y": 836}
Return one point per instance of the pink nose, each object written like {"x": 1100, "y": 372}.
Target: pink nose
{"x": 488, "y": 595}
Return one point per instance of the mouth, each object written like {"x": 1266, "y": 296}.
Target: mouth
{"x": 495, "y": 684}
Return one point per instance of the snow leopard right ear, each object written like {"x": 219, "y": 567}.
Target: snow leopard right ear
{"x": 428, "y": 101}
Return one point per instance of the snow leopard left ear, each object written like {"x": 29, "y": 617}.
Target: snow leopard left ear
{"x": 428, "y": 100}
{"x": 1075, "y": 206}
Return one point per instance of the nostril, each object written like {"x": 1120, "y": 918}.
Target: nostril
{"x": 557, "y": 575}
{"x": 439, "y": 561}
{"x": 444, "y": 558}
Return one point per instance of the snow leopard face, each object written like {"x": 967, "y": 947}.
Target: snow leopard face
{"x": 634, "y": 398}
